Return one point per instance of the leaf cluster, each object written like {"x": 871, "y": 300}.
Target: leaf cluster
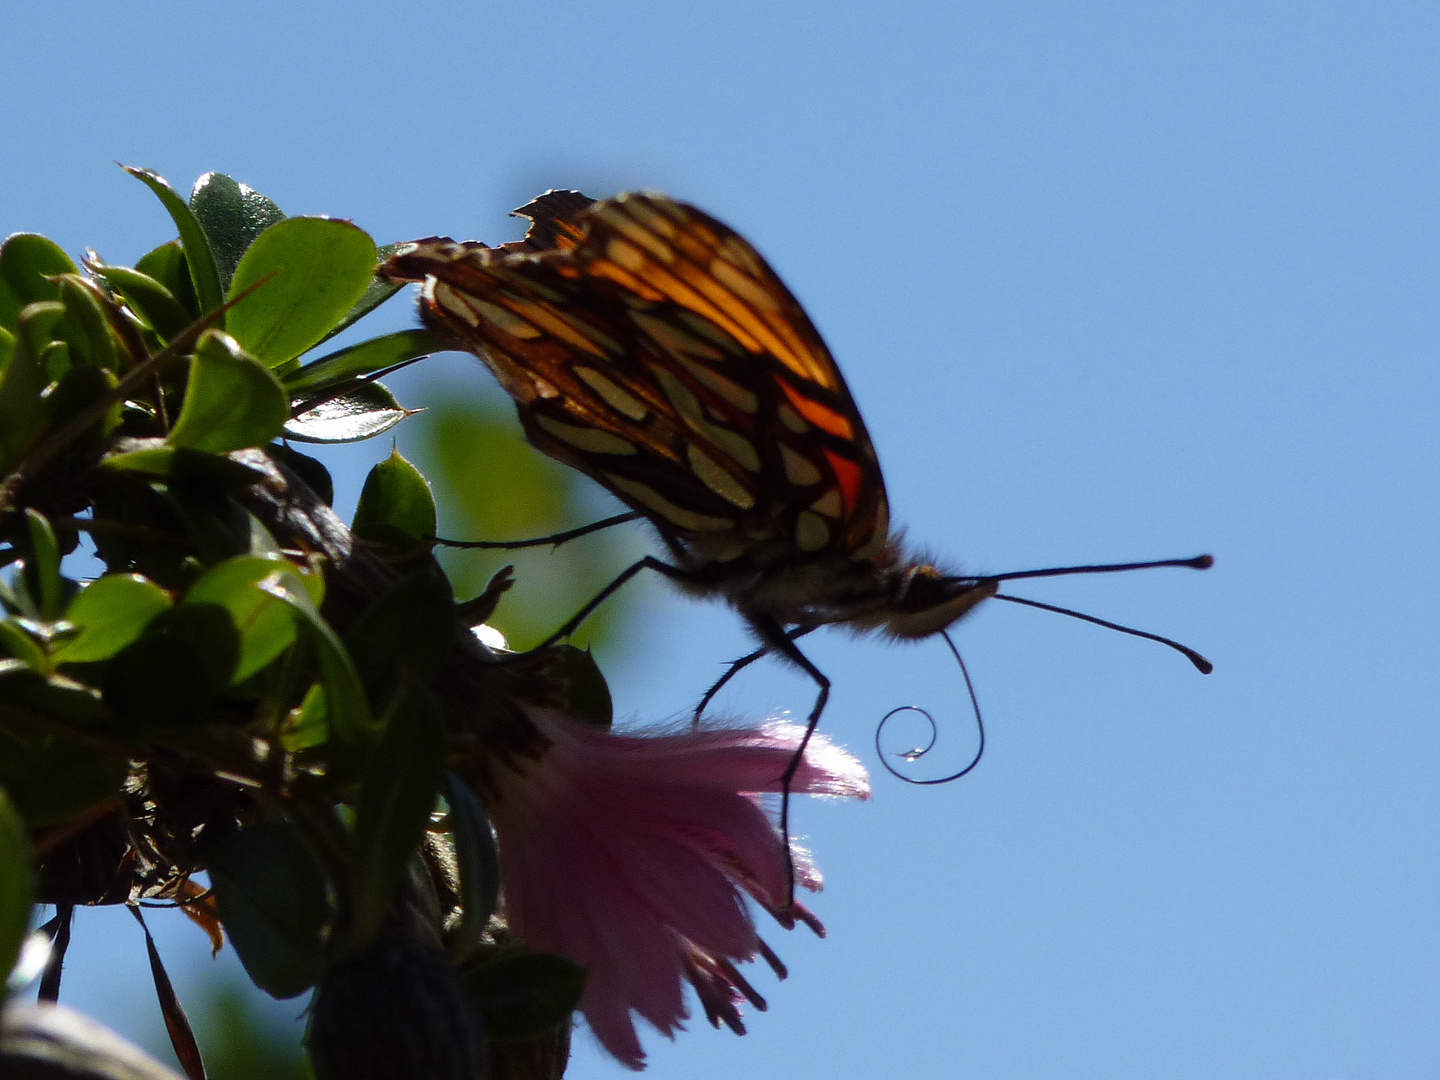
{"x": 250, "y": 688}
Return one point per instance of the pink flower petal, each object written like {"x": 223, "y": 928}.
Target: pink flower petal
{"x": 632, "y": 855}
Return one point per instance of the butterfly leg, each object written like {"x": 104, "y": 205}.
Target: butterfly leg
{"x": 775, "y": 639}
{"x": 554, "y": 540}
{"x": 738, "y": 666}
{"x": 649, "y": 562}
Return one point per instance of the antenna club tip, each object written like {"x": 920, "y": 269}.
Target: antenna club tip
{"x": 1203, "y": 562}
{"x": 1206, "y": 668}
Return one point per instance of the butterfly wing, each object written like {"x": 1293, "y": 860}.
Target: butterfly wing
{"x": 651, "y": 347}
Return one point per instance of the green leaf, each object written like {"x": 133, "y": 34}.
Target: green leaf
{"x": 309, "y": 469}
{"x": 347, "y": 710}
{"x": 525, "y": 995}
{"x": 272, "y": 901}
{"x": 369, "y": 357}
{"x": 314, "y": 270}
{"x": 232, "y": 400}
{"x": 110, "y": 613}
{"x": 376, "y": 293}
{"x": 7, "y": 347}
{"x": 160, "y": 682}
{"x": 167, "y": 265}
{"x": 54, "y": 696}
{"x": 587, "y": 695}
{"x": 265, "y": 624}
{"x": 40, "y": 324}
{"x": 478, "y": 862}
{"x": 14, "y": 641}
{"x": 149, "y": 299}
{"x": 198, "y": 255}
{"x": 21, "y": 416}
{"x": 43, "y": 565}
{"x": 90, "y": 332}
{"x": 51, "y": 780}
{"x": 232, "y": 215}
{"x": 27, "y": 260}
{"x": 16, "y": 884}
{"x": 395, "y": 804}
{"x": 78, "y": 390}
{"x": 395, "y": 497}
{"x": 179, "y": 463}
{"x": 407, "y": 632}
{"x": 368, "y": 410}
{"x": 210, "y": 632}
{"x": 308, "y": 725}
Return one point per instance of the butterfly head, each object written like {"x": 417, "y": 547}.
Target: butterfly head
{"x": 923, "y": 600}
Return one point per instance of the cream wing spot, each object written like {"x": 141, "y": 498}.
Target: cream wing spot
{"x": 829, "y": 504}
{"x": 676, "y": 515}
{"x": 708, "y": 330}
{"x": 554, "y": 324}
{"x": 448, "y": 299}
{"x": 743, "y": 399}
{"x": 636, "y": 234}
{"x": 590, "y": 440}
{"x": 742, "y": 255}
{"x": 614, "y": 395}
{"x": 681, "y": 396}
{"x": 627, "y": 256}
{"x": 717, "y": 479}
{"x": 643, "y": 210}
{"x": 799, "y": 470}
{"x": 742, "y": 286}
{"x": 735, "y": 446}
{"x": 811, "y": 532}
{"x": 672, "y": 339}
{"x": 503, "y": 318}
{"x": 791, "y": 419}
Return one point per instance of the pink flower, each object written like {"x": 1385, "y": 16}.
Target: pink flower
{"x": 632, "y": 856}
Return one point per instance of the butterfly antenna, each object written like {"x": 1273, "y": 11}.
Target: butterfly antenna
{"x": 1204, "y": 666}
{"x": 1199, "y": 562}
{"x": 918, "y": 753}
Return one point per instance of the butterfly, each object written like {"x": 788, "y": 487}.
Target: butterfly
{"x": 651, "y": 347}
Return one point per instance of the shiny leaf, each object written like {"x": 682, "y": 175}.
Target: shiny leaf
{"x": 232, "y": 215}
{"x": 368, "y": 410}
{"x": 14, "y": 641}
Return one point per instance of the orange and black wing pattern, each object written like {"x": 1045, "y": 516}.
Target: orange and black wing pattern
{"x": 649, "y": 346}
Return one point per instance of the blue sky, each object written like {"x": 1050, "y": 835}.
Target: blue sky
{"x": 1109, "y": 281}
